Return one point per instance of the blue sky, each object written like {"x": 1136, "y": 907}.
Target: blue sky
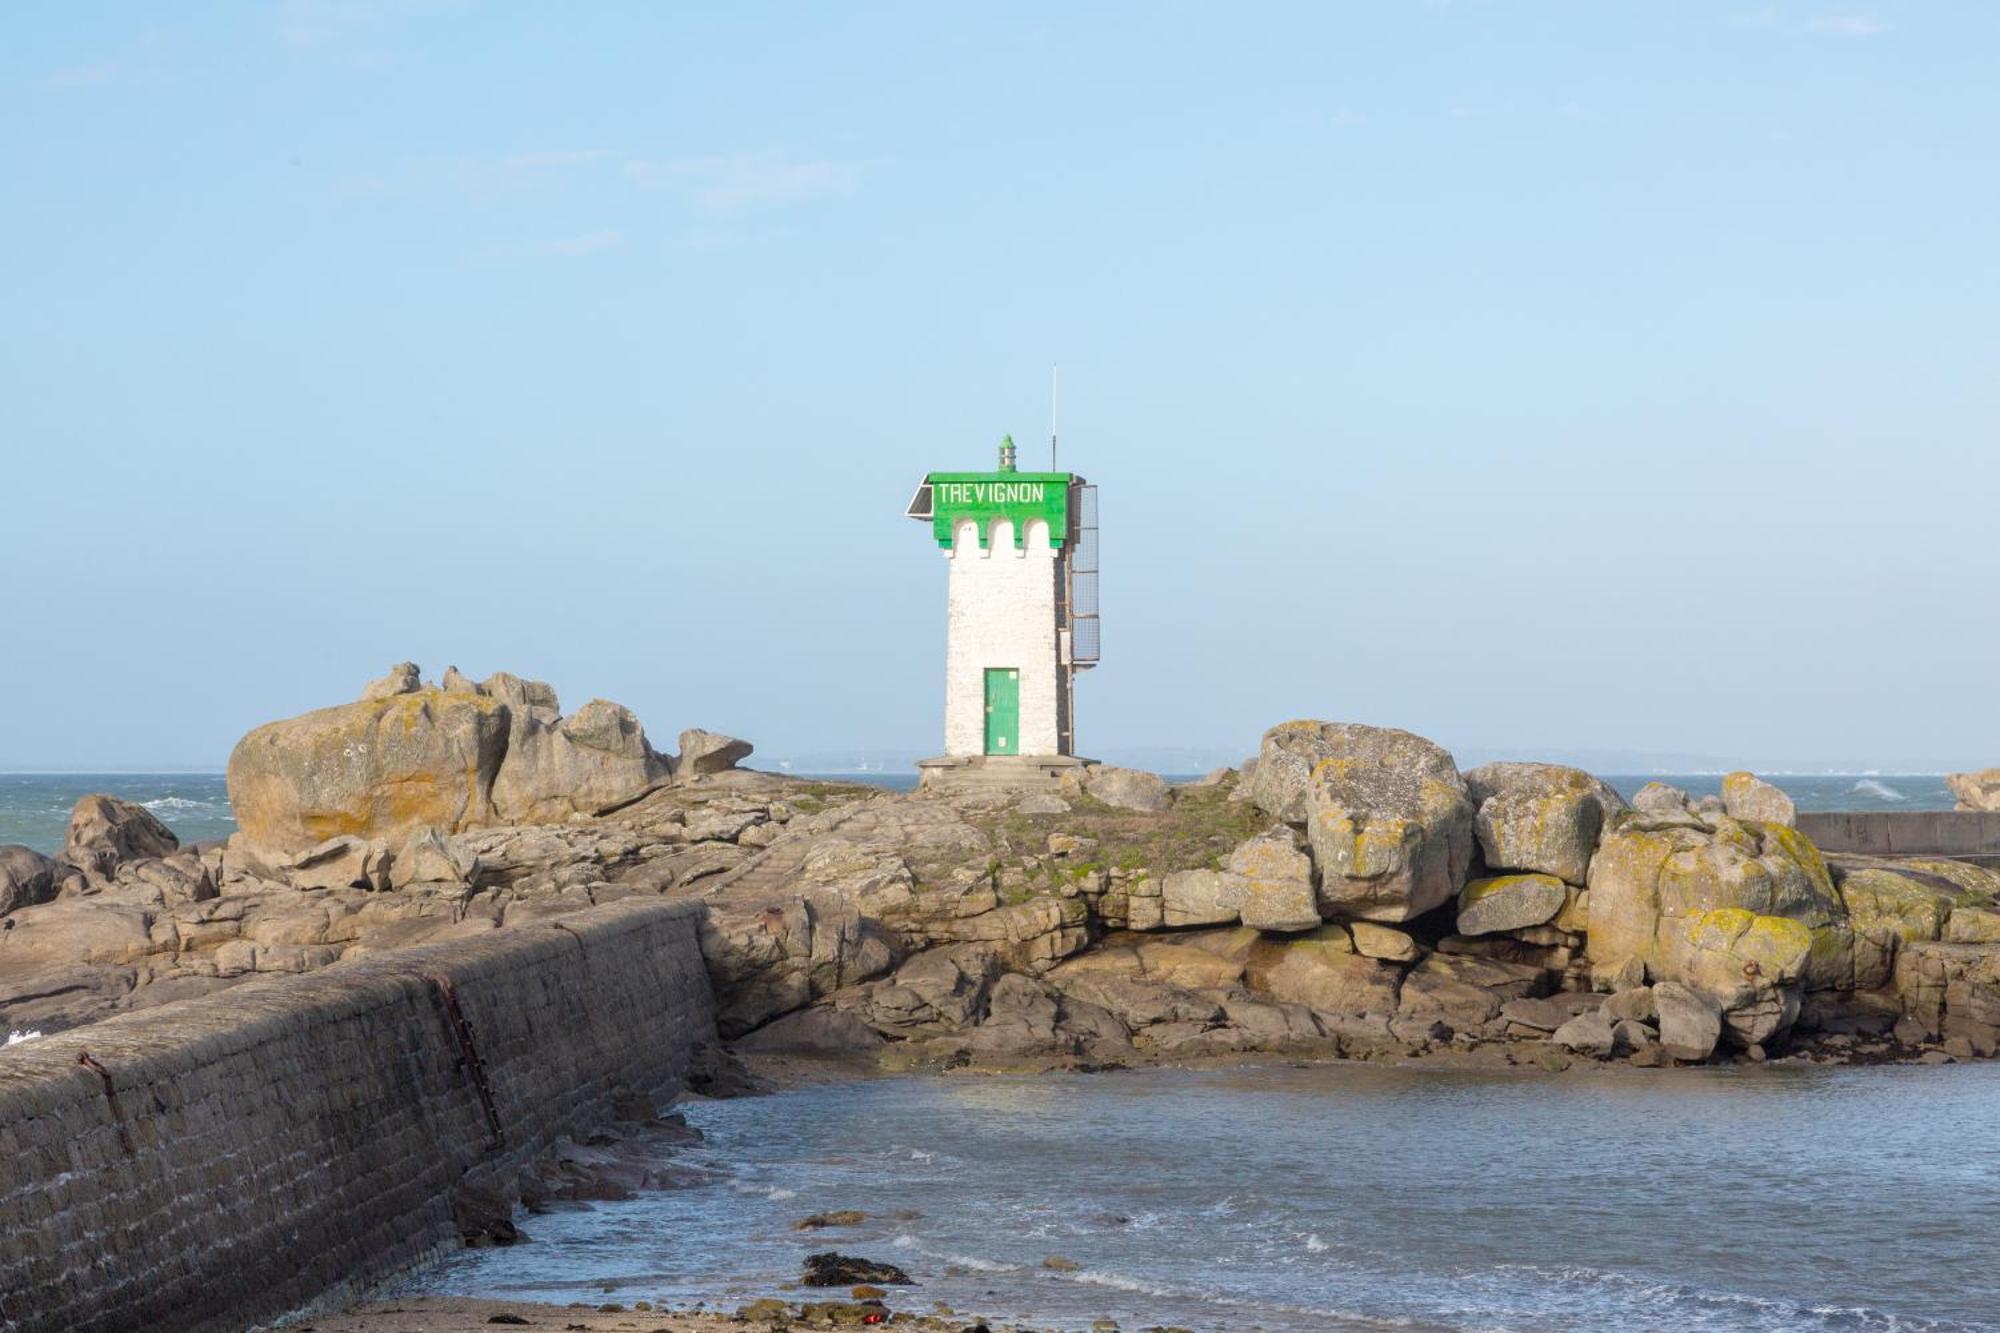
{"x": 1538, "y": 376}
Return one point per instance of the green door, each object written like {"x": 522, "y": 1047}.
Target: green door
{"x": 1003, "y": 710}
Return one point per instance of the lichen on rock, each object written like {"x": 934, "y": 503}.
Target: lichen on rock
{"x": 1542, "y": 818}
{"x": 1386, "y": 814}
{"x": 409, "y": 756}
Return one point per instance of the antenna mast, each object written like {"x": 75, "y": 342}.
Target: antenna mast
{"x": 1053, "y": 385}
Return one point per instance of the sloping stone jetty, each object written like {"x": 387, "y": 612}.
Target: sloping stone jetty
{"x": 209, "y": 1164}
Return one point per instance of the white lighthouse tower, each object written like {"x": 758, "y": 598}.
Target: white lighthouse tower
{"x": 1021, "y": 619}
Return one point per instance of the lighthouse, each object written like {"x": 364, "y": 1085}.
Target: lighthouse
{"x": 1021, "y": 619}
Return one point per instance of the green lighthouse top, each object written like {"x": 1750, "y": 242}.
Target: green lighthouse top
{"x": 950, "y": 498}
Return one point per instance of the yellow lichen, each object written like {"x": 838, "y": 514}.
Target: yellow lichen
{"x": 1801, "y": 849}
{"x": 1774, "y": 946}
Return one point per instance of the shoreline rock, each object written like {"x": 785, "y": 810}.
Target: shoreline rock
{"x": 410, "y": 756}
{"x": 1975, "y": 791}
{"x": 1348, "y": 894}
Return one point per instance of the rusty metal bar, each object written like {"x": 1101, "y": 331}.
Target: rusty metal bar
{"x": 468, "y": 1053}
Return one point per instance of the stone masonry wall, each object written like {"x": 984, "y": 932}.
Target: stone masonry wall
{"x": 1001, "y": 612}
{"x": 289, "y": 1141}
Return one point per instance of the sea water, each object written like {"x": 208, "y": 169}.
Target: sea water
{"x": 1819, "y": 791}
{"x": 1300, "y": 1199}
{"x": 34, "y": 807}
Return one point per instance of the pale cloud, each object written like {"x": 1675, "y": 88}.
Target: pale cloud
{"x": 538, "y": 169}
{"x": 355, "y": 32}
{"x": 726, "y": 182}
{"x": 133, "y": 61}
{"x": 720, "y": 184}
{"x": 82, "y": 76}
{"x": 314, "y": 23}
{"x": 1831, "y": 23}
{"x": 357, "y": 187}
{"x": 1847, "y": 25}
{"x": 556, "y": 158}
{"x": 587, "y": 244}
{"x": 562, "y": 247}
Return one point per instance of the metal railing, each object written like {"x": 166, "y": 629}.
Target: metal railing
{"x": 1086, "y": 642}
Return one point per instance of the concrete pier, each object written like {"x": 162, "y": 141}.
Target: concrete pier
{"x": 1964, "y": 835}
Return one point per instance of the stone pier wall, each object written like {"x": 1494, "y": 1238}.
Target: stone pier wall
{"x": 218, "y": 1162}
{"x": 1971, "y": 834}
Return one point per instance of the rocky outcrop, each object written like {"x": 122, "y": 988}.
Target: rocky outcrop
{"x": 1203, "y": 897}
{"x": 403, "y": 678}
{"x": 1510, "y": 903}
{"x": 383, "y": 766}
{"x": 166, "y": 928}
{"x": 1539, "y": 818}
{"x": 1122, "y": 788}
{"x": 1690, "y": 1023}
{"x": 26, "y": 878}
{"x": 1735, "y": 908}
{"x": 1748, "y": 797}
{"x": 1277, "y": 876}
{"x": 707, "y": 752}
{"x": 1266, "y": 883}
{"x": 1318, "y": 903}
{"x": 1322, "y": 971}
{"x": 1895, "y": 903}
{"x": 1952, "y": 992}
{"x": 105, "y": 833}
{"x": 1386, "y": 814}
{"x": 1975, "y": 791}
{"x": 426, "y": 858}
{"x": 343, "y": 862}
{"x": 410, "y": 756}
{"x": 1276, "y": 779}
{"x": 556, "y": 767}
{"x": 1384, "y": 942}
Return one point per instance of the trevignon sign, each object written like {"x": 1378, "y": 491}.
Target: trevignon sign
{"x": 989, "y": 492}
{"x": 983, "y": 497}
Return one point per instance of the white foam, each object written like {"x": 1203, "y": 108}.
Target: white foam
{"x": 173, "y": 803}
{"x": 1315, "y": 1245}
{"x": 768, "y": 1191}
{"x": 978, "y": 1265}
{"x": 1881, "y": 790}
{"x": 1120, "y": 1283}
{"x": 16, "y": 1038}
{"x": 1658, "y": 1292}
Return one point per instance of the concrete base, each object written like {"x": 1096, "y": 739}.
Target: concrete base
{"x": 997, "y": 772}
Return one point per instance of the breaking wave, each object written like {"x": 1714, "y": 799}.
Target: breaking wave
{"x": 1880, "y": 790}
{"x": 176, "y": 803}
{"x": 1697, "y": 1308}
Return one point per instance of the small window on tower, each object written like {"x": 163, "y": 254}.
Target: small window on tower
{"x": 920, "y": 503}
